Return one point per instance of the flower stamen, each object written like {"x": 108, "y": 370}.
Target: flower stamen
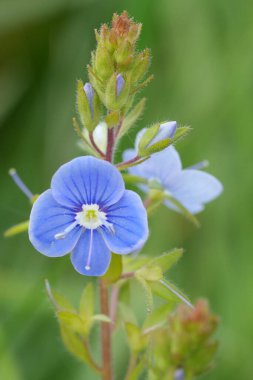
{"x": 64, "y": 233}
{"x": 18, "y": 181}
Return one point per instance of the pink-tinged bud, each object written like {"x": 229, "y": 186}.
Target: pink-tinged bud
{"x": 120, "y": 82}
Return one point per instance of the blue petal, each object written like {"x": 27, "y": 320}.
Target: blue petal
{"x": 96, "y": 248}
{"x": 87, "y": 180}
{"x": 129, "y": 219}
{"x": 47, "y": 219}
{"x": 162, "y": 166}
{"x": 194, "y": 188}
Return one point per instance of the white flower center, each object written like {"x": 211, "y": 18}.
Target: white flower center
{"x": 91, "y": 217}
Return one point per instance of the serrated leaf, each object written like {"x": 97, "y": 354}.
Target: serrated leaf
{"x": 86, "y": 306}
{"x": 17, "y": 229}
{"x": 132, "y": 117}
{"x": 167, "y": 260}
{"x": 182, "y": 209}
{"x": 115, "y": 269}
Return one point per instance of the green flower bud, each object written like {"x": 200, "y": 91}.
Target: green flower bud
{"x": 123, "y": 55}
{"x": 117, "y": 92}
{"x": 141, "y": 65}
{"x": 88, "y": 104}
{"x": 103, "y": 62}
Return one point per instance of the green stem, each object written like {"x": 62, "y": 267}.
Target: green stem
{"x": 105, "y": 334}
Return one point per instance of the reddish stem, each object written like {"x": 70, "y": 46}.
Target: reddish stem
{"x": 105, "y": 334}
{"x": 95, "y": 145}
{"x": 129, "y": 162}
{"x": 110, "y": 145}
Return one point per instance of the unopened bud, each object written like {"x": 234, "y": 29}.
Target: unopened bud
{"x": 120, "y": 82}
{"x": 123, "y": 55}
{"x": 117, "y": 92}
{"x": 88, "y": 104}
{"x": 141, "y": 65}
{"x": 103, "y": 62}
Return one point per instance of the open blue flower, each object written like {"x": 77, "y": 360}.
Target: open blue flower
{"x": 88, "y": 212}
{"x": 191, "y": 187}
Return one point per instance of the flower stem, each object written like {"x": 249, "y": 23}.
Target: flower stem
{"x": 110, "y": 145}
{"x": 95, "y": 145}
{"x": 105, "y": 334}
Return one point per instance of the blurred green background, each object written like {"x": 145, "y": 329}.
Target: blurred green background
{"x": 203, "y": 65}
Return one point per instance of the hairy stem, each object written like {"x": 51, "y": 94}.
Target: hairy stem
{"x": 105, "y": 334}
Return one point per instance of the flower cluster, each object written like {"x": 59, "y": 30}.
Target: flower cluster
{"x": 90, "y": 214}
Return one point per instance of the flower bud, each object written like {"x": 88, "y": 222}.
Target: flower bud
{"x": 141, "y": 65}
{"x": 117, "y": 92}
{"x": 103, "y": 62}
{"x": 88, "y": 104}
{"x": 123, "y": 55}
{"x": 156, "y": 138}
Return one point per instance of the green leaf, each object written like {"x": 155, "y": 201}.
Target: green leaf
{"x": 101, "y": 318}
{"x": 147, "y": 290}
{"x": 167, "y": 260}
{"x": 169, "y": 292}
{"x": 86, "y": 307}
{"x": 182, "y": 209}
{"x": 115, "y": 269}
{"x": 76, "y": 346}
{"x": 132, "y": 117}
{"x": 158, "y": 316}
{"x": 136, "y": 372}
{"x": 126, "y": 313}
{"x": 150, "y": 272}
{"x": 17, "y": 229}
{"x": 131, "y": 264}
{"x": 71, "y": 320}
{"x": 135, "y": 338}
{"x": 58, "y": 300}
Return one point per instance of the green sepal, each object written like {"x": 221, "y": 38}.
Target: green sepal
{"x": 134, "y": 179}
{"x": 112, "y": 101}
{"x": 112, "y": 119}
{"x": 17, "y": 229}
{"x": 182, "y": 209}
{"x": 88, "y": 120}
{"x": 115, "y": 269}
{"x": 132, "y": 117}
{"x": 141, "y": 65}
{"x": 103, "y": 62}
{"x": 181, "y": 133}
{"x": 146, "y": 148}
{"x": 123, "y": 54}
{"x": 169, "y": 292}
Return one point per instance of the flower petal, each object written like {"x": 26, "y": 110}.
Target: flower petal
{"x": 194, "y": 188}
{"x": 87, "y": 180}
{"x": 48, "y": 218}
{"x": 162, "y": 166}
{"x": 91, "y": 251}
{"x": 129, "y": 219}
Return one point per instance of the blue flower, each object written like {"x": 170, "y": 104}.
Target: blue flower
{"x": 191, "y": 187}
{"x": 89, "y": 213}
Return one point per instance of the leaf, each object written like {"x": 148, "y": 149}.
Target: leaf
{"x": 58, "y": 300}
{"x": 147, "y": 290}
{"x": 183, "y": 210}
{"x": 132, "y": 263}
{"x": 133, "y": 179}
{"x": 135, "y": 338}
{"x": 168, "y": 259}
{"x": 158, "y": 316}
{"x": 76, "y": 346}
{"x": 86, "y": 307}
{"x": 72, "y": 321}
{"x": 101, "y": 318}
{"x": 115, "y": 269}
{"x": 17, "y": 229}
{"x": 132, "y": 117}
{"x": 169, "y": 292}
{"x": 150, "y": 272}
{"x": 138, "y": 369}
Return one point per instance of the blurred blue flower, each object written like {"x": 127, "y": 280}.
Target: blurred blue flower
{"x": 191, "y": 187}
{"x": 88, "y": 212}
